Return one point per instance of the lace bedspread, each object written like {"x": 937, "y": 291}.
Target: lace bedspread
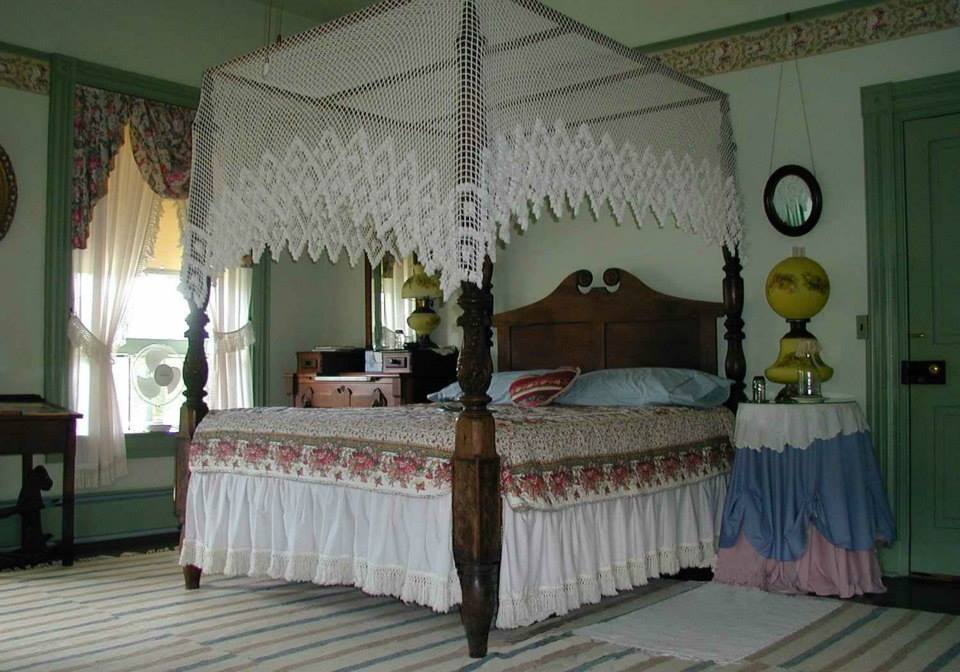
{"x": 551, "y": 457}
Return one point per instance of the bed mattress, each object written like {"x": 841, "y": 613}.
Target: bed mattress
{"x": 551, "y": 457}
{"x": 597, "y": 500}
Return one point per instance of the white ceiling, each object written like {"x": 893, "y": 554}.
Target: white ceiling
{"x": 632, "y": 22}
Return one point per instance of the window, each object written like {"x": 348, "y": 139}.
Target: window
{"x": 130, "y": 318}
{"x": 153, "y": 330}
{"x": 120, "y": 292}
{"x": 150, "y": 345}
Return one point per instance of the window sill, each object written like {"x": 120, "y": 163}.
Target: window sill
{"x": 141, "y": 446}
{"x": 151, "y": 444}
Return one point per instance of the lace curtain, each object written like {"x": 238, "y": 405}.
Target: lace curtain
{"x": 161, "y": 140}
{"x": 231, "y": 382}
{"x": 122, "y": 230}
{"x": 127, "y": 153}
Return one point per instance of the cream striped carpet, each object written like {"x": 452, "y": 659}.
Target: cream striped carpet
{"x": 131, "y": 613}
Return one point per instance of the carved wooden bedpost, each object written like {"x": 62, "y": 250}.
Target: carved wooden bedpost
{"x": 195, "y": 373}
{"x": 476, "y": 471}
{"x": 476, "y": 467}
{"x": 736, "y": 363}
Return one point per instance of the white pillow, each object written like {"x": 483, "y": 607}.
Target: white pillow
{"x": 647, "y": 386}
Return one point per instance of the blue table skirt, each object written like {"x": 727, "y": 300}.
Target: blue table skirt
{"x": 834, "y": 484}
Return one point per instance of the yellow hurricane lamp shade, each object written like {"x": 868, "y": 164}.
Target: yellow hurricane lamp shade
{"x": 797, "y": 289}
{"x": 422, "y": 288}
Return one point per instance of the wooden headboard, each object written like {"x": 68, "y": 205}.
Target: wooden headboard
{"x": 621, "y": 325}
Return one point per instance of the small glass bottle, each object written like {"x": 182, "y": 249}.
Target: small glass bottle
{"x": 759, "y": 389}
{"x": 808, "y": 382}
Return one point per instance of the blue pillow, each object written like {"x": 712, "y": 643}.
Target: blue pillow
{"x": 499, "y": 389}
{"x": 647, "y": 386}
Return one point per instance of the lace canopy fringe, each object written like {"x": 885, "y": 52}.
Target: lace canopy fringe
{"x": 433, "y": 127}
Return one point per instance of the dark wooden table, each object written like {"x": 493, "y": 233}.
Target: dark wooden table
{"x": 29, "y": 425}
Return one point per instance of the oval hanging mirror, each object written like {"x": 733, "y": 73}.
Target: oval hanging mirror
{"x": 792, "y": 200}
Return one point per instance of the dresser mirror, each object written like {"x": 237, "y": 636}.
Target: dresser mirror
{"x": 386, "y": 309}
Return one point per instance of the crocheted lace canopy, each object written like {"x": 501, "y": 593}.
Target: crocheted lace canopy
{"x": 435, "y": 126}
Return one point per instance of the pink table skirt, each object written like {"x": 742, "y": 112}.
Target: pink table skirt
{"x": 823, "y": 569}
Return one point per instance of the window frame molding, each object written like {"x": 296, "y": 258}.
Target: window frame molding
{"x": 260, "y": 319}
{"x": 66, "y": 73}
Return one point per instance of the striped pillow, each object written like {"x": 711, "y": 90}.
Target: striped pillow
{"x": 541, "y": 389}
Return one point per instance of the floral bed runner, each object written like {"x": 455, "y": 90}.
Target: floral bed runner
{"x": 551, "y": 456}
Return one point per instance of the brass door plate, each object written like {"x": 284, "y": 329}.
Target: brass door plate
{"x": 923, "y": 372}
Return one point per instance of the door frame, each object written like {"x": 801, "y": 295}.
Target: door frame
{"x": 886, "y": 108}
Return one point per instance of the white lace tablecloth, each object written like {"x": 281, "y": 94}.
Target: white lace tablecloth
{"x": 776, "y": 426}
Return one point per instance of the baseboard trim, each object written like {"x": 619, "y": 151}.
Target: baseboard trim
{"x": 120, "y": 536}
{"x": 142, "y": 541}
{"x": 100, "y": 497}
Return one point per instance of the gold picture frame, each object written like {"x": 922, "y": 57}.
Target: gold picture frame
{"x": 8, "y": 193}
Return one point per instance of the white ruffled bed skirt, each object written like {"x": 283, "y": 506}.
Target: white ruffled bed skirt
{"x": 390, "y": 544}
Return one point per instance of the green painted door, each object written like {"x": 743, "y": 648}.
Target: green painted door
{"x": 932, "y": 178}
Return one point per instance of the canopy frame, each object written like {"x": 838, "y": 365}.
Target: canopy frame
{"x": 548, "y": 141}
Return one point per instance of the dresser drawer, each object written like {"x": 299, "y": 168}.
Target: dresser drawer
{"x": 397, "y": 361}
{"x": 380, "y": 392}
{"x": 315, "y": 394}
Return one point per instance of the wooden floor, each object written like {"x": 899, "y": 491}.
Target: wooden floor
{"x": 918, "y": 592}
{"x": 939, "y": 595}
{"x": 131, "y": 613}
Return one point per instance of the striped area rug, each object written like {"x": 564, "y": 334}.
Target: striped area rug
{"x": 131, "y": 613}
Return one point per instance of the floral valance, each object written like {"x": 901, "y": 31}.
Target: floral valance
{"x": 162, "y": 143}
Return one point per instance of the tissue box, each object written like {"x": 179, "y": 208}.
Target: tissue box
{"x": 373, "y": 361}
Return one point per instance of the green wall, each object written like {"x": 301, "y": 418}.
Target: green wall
{"x": 677, "y": 263}
{"x": 831, "y": 87}
{"x": 174, "y": 40}
{"x": 314, "y": 304}
{"x": 310, "y": 304}
{"x": 23, "y": 134}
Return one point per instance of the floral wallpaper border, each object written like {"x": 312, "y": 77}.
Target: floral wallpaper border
{"x": 22, "y": 72}
{"x": 884, "y": 21}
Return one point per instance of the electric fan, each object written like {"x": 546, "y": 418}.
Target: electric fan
{"x": 158, "y": 380}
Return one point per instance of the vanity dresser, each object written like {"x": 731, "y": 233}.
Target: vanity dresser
{"x": 338, "y": 379}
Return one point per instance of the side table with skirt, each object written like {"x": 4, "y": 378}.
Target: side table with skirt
{"x": 806, "y": 504}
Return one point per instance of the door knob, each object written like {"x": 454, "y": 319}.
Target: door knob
{"x": 917, "y": 334}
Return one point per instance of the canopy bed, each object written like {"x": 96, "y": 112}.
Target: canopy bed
{"x": 433, "y": 127}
